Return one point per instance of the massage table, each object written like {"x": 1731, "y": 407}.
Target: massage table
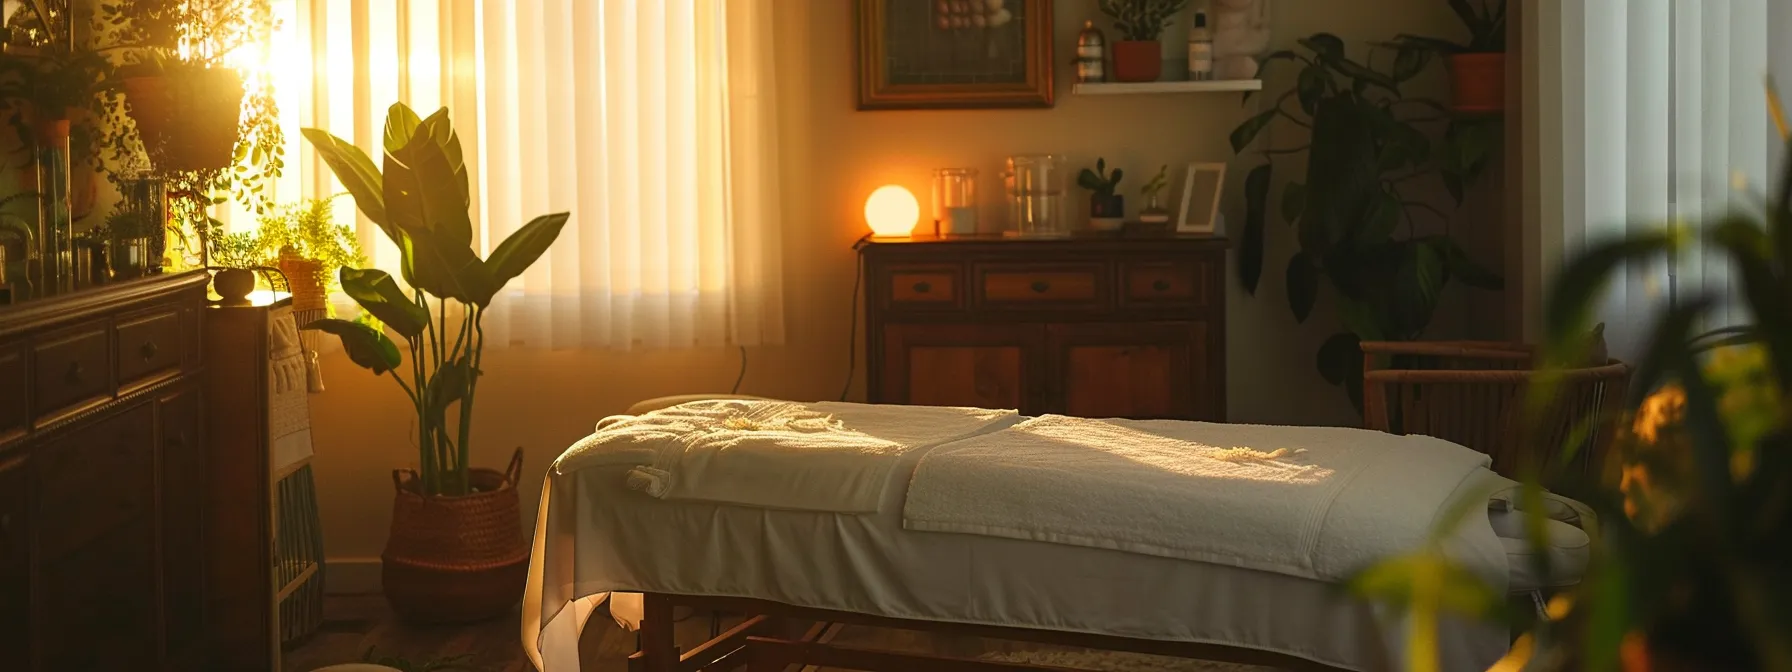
{"x": 597, "y": 539}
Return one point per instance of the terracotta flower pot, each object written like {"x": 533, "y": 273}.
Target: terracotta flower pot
{"x": 1138, "y": 61}
{"x": 456, "y": 559}
{"x": 1478, "y": 82}
{"x": 187, "y": 119}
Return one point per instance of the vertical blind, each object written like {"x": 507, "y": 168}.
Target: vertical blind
{"x": 1648, "y": 112}
{"x": 653, "y": 123}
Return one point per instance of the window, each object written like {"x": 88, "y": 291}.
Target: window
{"x": 653, "y": 123}
{"x": 1647, "y": 112}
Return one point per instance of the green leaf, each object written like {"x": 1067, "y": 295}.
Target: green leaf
{"x": 523, "y": 247}
{"x": 1343, "y": 179}
{"x": 1469, "y": 16}
{"x": 1250, "y": 252}
{"x": 447, "y": 269}
{"x": 447, "y": 386}
{"x": 401, "y": 126}
{"x": 1360, "y": 319}
{"x": 1336, "y": 357}
{"x": 1326, "y": 45}
{"x": 1458, "y": 264}
{"x": 1425, "y": 273}
{"x": 377, "y": 293}
{"x": 1294, "y": 200}
{"x": 1303, "y": 286}
{"x": 1567, "y": 313}
{"x": 1409, "y": 62}
{"x": 1453, "y": 184}
{"x": 1247, "y": 131}
{"x": 366, "y": 347}
{"x": 1311, "y": 87}
{"x": 1429, "y": 44}
{"x": 424, "y": 190}
{"x": 1383, "y": 219}
{"x": 356, "y": 173}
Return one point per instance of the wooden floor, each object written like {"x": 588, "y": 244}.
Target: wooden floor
{"x": 354, "y": 624}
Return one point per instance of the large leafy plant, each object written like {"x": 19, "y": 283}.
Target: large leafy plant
{"x": 1373, "y": 158}
{"x": 1693, "y": 569}
{"x": 418, "y": 196}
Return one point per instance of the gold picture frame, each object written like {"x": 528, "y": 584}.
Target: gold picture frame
{"x": 954, "y": 54}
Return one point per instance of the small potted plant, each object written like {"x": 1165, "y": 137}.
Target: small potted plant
{"x": 1137, "y": 55}
{"x": 1154, "y": 213}
{"x": 1107, "y": 210}
{"x": 1478, "y": 66}
{"x": 237, "y": 253}
{"x": 311, "y": 249}
{"x": 130, "y": 234}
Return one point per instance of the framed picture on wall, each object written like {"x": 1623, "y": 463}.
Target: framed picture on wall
{"x": 1201, "y": 187}
{"x": 939, "y": 54}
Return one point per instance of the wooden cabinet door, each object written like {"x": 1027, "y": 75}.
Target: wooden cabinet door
{"x": 182, "y": 526}
{"x": 1148, "y": 370}
{"x": 984, "y": 365}
{"x": 15, "y": 563}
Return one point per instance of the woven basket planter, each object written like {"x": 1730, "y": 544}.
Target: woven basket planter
{"x": 307, "y": 280}
{"x": 456, "y": 559}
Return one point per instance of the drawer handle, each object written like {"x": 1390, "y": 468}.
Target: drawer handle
{"x": 1161, "y": 285}
{"x": 1041, "y": 286}
{"x": 923, "y": 287}
{"x": 74, "y": 373}
{"x": 148, "y": 351}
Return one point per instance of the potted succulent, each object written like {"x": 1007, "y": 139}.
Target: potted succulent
{"x": 456, "y": 550}
{"x": 1154, "y": 213}
{"x": 1137, "y": 55}
{"x": 1478, "y": 66}
{"x": 1107, "y": 210}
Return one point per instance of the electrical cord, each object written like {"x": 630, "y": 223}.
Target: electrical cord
{"x": 743, "y": 371}
{"x": 852, "y": 320}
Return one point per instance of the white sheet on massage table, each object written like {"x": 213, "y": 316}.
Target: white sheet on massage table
{"x": 593, "y": 536}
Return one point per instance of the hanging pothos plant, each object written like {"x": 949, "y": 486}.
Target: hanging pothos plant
{"x": 46, "y": 75}
{"x": 1373, "y": 155}
{"x": 210, "y": 127}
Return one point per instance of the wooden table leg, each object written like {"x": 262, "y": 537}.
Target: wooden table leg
{"x": 659, "y": 651}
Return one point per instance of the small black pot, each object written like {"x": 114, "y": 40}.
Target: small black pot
{"x": 1107, "y": 206}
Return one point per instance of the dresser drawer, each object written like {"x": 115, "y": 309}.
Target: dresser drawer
{"x": 13, "y": 384}
{"x": 1164, "y": 282}
{"x": 96, "y": 479}
{"x": 1032, "y": 285}
{"x": 924, "y": 287}
{"x": 70, "y": 370}
{"x": 149, "y": 346}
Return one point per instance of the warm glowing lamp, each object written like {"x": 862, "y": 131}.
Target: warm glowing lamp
{"x": 892, "y": 211}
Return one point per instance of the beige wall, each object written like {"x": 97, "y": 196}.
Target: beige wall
{"x": 543, "y": 401}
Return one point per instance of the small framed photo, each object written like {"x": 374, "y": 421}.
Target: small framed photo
{"x": 1201, "y": 197}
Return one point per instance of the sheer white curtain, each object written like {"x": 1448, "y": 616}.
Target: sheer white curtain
{"x": 653, "y": 123}
{"x": 1638, "y": 113}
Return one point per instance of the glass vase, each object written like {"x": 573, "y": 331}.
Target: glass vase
{"x": 55, "y": 225}
{"x": 955, "y": 201}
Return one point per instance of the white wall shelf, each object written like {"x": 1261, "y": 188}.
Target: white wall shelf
{"x": 1210, "y": 86}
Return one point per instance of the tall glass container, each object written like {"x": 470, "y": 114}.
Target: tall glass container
{"x": 55, "y": 226}
{"x": 1036, "y": 184}
{"x": 955, "y": 201}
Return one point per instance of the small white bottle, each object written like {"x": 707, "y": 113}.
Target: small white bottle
{"x": 1200, "y": 50}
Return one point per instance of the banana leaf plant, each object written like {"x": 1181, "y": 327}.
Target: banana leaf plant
{"x": 418, "y": 196}
{"x": 1373, "y": 156}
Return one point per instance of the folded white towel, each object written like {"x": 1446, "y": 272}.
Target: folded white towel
{"x": 1314, "y": 502}
{"x": 821, "y": 456}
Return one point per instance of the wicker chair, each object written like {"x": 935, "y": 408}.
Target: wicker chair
{"x": 1473, "y": 393}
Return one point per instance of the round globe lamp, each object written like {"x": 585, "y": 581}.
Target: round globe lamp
{"x": 892, "y": 211}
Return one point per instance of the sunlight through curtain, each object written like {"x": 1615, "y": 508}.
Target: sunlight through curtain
{"x": 653, "y": 123}
{"x": 1646, "y": 112}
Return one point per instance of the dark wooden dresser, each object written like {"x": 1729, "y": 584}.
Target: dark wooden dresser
{"x": 102, "y": 479}
{"x": 1131, "y": 327}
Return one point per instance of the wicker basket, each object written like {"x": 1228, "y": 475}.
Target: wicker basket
{"x": 456, "y": 559}
{"x": 306, "y": 278}
{"x": 1473, "y": 393}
